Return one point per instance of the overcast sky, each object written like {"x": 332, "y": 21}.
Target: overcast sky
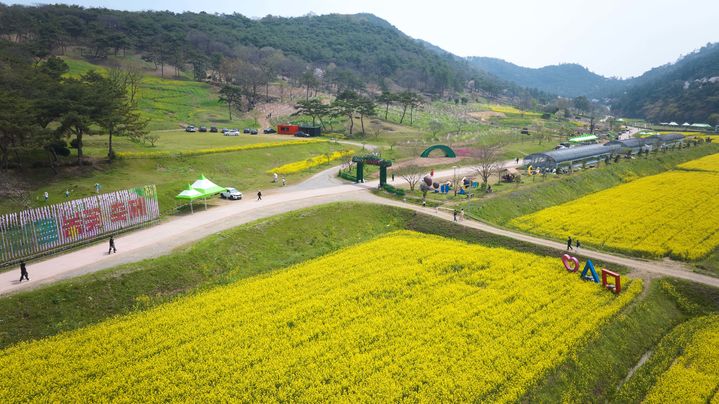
{"x": 611, "y": 37}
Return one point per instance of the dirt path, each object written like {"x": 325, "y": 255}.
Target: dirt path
{"x": 321, "y": 188}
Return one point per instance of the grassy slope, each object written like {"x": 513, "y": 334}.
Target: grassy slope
{"x": 244, "y": 170}
{"x": 174, "y": 141}
{"x": 603, "y": 361}
{"x": 696, "y": 300}
{"x": 169, "y": 102}
{"x": 543, "y": 193}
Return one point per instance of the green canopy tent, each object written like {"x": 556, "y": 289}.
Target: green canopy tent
{"x": 207, "y": 187}
{"x": 202, "y": 188}
{"x": 190, "y": 194}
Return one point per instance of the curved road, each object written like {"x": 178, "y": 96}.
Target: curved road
{"x": 323, "y": 187}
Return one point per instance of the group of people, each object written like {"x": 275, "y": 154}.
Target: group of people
{"x": 23, "y": 266}
{"x": 459, "y": 214}
{"x": 576, "y": 243}
{"x": 275, "y": 177}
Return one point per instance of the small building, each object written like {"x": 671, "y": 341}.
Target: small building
{"x": 311, "y": 130}
{"x": 636, "y": 145}
{"x": 287, "y": 129}
{"x": 670, "y": 139}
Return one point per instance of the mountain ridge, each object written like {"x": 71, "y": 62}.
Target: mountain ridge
{"x": 565, "y": 79}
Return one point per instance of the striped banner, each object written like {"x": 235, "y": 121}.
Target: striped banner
{"x": 33, "y": 231}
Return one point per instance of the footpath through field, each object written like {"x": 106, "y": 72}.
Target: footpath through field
{"x": 324, "y": 187}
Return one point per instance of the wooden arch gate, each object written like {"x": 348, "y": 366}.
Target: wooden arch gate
{"x": 374, "y": 160}
{"x": 448, "y": 152}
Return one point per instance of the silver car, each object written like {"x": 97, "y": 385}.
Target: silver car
{"x": 231, "y": 193}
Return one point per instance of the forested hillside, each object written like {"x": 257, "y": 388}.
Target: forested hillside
{"x": 687, "y": 90}
{"x": 337, "y": 51}
{"x": 567, "y": 80}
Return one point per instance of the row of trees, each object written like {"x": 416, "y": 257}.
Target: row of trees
{"x": 347, "y": 104}
{"x": 41, "y": 107}
{"x": 350, "y": 104}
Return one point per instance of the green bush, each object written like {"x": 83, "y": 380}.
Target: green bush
{"x": 392, "y": 190}
{"x": 348, "y": 176}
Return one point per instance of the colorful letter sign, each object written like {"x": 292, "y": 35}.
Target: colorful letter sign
{"x": 571, "y": 264}
{"x": 42, "y": 229}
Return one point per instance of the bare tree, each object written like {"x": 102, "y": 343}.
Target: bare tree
{"x": 412, "y": 174}
{"x": 486, "y": 162}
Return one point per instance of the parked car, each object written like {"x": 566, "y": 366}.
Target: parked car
{"x": 269, "y": 130}
{"x": 213, "y": 129}
{"x": 224, "y": 130}
{"x": 246, "y": 130}
{"x": 301, "y": 134}
{"x": 203, "y": 128}
{"x": 253, "y": 132}
{"x": 233, "y": 132}
{"x": 231, "y": 193}
{"x": 190, "y": 128}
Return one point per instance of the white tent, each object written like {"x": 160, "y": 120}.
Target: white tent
{"x": 672, "y": 123}
{"x": 686, "y": 124}
{"x": 701, "y": 125}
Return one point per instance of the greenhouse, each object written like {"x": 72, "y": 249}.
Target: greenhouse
{"x": 572, "y": 156}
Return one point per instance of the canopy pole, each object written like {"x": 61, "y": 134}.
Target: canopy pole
{"x": 191, "y": 210}
{"x": 205, "y": 199}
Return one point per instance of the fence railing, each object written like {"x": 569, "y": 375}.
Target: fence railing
{"x": 36, "y": 231}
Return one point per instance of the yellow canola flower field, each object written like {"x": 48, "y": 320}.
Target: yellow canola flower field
{"x": 707, "y": 163}
{"x": 403, "y": 317}
{"x": 302, "y": 165}
{"x": 198, "y": 152}
{"x": 694, "y": 376}
{"x": 673, "y": 213}
{"x": 509, "y": 109}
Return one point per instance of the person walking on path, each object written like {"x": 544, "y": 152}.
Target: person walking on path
{"x": 455, "y": 215}
{"x": 274, "y": 177}
{"x": 259, "y": 195}
{"x": 461, "y": 215}
{"x": 392, "y": 176}
{"x": 284, "y": 181}
{"x": 569, "y": 243}
{"x": 23, "y": 272}
{"x": 577, "y": 244}
{"x": 516, "y": 160}
{"x": 112, "y": 246}
{"x": 431, "y": 174}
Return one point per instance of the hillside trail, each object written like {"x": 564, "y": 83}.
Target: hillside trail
{"x": 323, "y": 187}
